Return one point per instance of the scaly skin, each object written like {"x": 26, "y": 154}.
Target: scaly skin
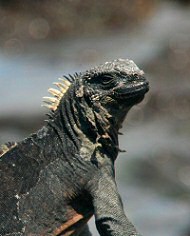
{"x": 53, "y": 181}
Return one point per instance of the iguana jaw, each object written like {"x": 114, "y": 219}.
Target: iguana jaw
{"x": 134, "y": 91}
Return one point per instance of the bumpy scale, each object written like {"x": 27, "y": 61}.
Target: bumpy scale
{"x": 53, "y": 181}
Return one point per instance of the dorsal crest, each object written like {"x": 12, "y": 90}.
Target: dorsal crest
{"x": 6, "y": 147}
{"x": 62, "y": 85}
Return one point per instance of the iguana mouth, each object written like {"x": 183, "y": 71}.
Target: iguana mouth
{"x": 132, "y": 90}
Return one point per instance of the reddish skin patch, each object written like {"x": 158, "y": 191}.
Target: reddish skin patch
{"x": 72, "y": 225}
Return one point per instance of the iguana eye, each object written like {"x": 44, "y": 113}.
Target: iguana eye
{"x": 108, "y": 80}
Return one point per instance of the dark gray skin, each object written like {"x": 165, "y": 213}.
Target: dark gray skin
{"x": 56, "y": 179}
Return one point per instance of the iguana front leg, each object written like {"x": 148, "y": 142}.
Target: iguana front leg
{"x": 109, "y": 214}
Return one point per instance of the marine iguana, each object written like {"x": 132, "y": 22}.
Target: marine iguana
{"x": 53, "y": 181}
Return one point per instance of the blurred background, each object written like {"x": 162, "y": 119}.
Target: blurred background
{"x": 42, "y": 40}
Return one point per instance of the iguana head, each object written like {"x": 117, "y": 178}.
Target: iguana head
{"x": 116, "y": 86}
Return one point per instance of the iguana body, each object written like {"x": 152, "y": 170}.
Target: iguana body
{"x": 53, "y": 181}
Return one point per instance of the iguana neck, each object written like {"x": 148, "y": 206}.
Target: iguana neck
{"x": 84, "y": 128}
